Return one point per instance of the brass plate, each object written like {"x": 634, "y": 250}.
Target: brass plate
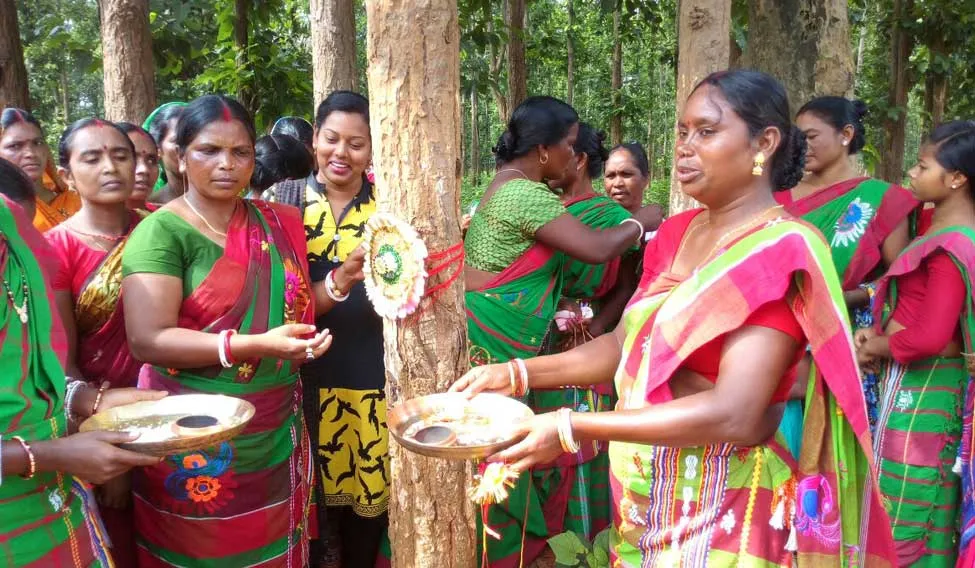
{"x": 162, "y": 436}
{"x": 453, "y": 410}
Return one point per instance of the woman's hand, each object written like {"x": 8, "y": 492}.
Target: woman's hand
{"x": 861, "y": 336}
{"x": 115, "y": 493}
{"x": 120, "y": 397}
{"x": 486, "y": 378}
{"x": 91, "y": 456}
{"x": 539, "y": 443}
{"x": 289, "y": 342}
{"x": 350, "y": 272}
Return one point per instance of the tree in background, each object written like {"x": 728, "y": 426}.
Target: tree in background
{"x": 333, "y": 46}
{"x": 13, "y": 72}
{"x": 130, "y": 91}
{"x": 514, "y": 15}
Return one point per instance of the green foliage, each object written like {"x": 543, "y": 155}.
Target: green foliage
{"x": 571, "y": 551}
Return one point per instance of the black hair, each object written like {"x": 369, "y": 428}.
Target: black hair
{"x": 159, "y": 127}
{"x": 67, "y": 137}
{"x": 209, "y": 109}
{"x": 590, "y": 142}
{"x": 954, "y": 144}
{"x": 839, "y": 112}
{"x": 129, "y": 128}
{"x": 637, "y": 153}
{"x": 279, "y": 158}
{"x": 538, "y": 121}
{"x": 342, "y": 101}
{"x": 296, "y": 127}
{"x": 11, "y": 116}
{"x": 761, "y": 101}
{"x": 15, "y": 184}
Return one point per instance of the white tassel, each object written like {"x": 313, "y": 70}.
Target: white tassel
{"x": 792, "y": 545}
{"x": 777, "y": 521}
{"x": 957, "y": 467}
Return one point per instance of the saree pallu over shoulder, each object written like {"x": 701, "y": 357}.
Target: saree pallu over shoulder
{"x": 44, "y": 521}
{"x": 103, "y": 348}
{"x": 725, "y": 504}
{"x": 856, "y": 216}
{"x": 245, "y": 502}
{"x": 584, "y": 280}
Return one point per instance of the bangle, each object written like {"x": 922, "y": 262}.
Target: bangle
{"x": 31, "y": 462}
{"x": 98, "y": 397}
{"x": 74, "y": 385}
{"x": 639, "y": 238}
{"x": 223, "y": 348}
{"x": 332, "y": 290}
{"x": 568, "y": 441}
{"x": 522, "y": 376}
{"x": 511, "y": 378}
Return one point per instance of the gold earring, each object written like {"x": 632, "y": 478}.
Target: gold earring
{"x": 759, "y": 168}
{"x": 541, "y": 161}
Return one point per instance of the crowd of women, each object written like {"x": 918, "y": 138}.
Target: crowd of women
{"x": 777, "y": 377}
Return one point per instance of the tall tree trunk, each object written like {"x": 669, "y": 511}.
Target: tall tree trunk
{"x": 475, "y": 138}
{"x": 245, "y": 90}
{"x": 332, "y": 46}
{"x": 702, "y": 37}
{"x": 935, "y": 83}
{"x": 414, "y": 86}
{"x": 901, "y": 44}
{"x": 496, "y": 64}
{"x": 130, "y": 91}
{"x": 570, "y": 59}
{"x": 861, "y": 49}
{"x": 514, "y": 15}
{"x": 13, "y": 72}
{"x": 816, "y": 61}
{"x": 616, "y": 119}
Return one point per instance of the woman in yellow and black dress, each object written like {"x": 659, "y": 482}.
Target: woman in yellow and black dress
{"x": 345, "y": 398}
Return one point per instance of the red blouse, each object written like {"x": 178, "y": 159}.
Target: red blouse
{"x": 929, "y": 300}
{"x": 76, "y": 260}
{"x": 659, "y": 257}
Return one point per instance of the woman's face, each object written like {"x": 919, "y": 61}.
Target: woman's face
{"x": 623, "y": 181}
{"x": 560, "y": 155}
{"x": 572, "y": 174}
{"x": 146, "y": 165}
{"x": 930, "y": 181}
{"x": 169, "y": 151}
{"x": 22, "y": 144}
{"x": 219, "y": 161}
{"x": 714, "y": 154}
{"x": 824, "y": 144}
{"x": 101, "y": 165}
{"x": 343, "y": 148}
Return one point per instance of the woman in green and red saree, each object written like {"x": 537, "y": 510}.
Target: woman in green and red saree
{"x": 593, "y": 298}
{"x": 47, "y": 516}
{"x": 918, "y": 347}
{"x": 864, "y": 220}
{"x": 97, "y": 160}
{"x": 706, "y": 357}
{"x": 218, "y": 300}
{"x": 514, "y": 280}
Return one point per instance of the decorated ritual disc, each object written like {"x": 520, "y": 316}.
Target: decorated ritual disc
{"x": 394, "y": 266}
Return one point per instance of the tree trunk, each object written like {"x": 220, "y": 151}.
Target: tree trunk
{"x": 901, "y": 44}
{"x": 332, "y": 46}
{"x": 861, "y": 49}
{"x": 935, "y": 84}
{"x": 130, "y": 91}
{"x": 616, "y": 118}
{"x": 475, "y": 139}
{"x": 570, "y": 59}
{"x": 496, "y": 64}
{"x": 414, "y": 85}
{"x": 514, "y": 15}
{"x": 13, "y": 72}
{"x": 246, "y": 94}
{"x": 805, "y": 44}
{"x": 702, "y": 37}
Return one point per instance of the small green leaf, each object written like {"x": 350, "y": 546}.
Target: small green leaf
{"x": 567, "y": 547}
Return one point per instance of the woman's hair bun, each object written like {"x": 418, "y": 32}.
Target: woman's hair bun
{"x": 504, "y": 149}
{"x": 789, "y": 167}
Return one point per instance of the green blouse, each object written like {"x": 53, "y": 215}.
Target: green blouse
{"x": 504, "y": 227}
{"x": 164, "y": 243}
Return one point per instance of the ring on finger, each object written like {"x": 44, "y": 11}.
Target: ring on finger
{"x": 309, "y": 353}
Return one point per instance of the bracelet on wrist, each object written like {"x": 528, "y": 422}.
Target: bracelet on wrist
{"x": 70, "y": 392}
{"x": 98, "y": 397}
{"x": 522, "y": 376}
{"x": 223, "y": 348}
{"x": 512, "y": 379}
{"x": 639, "y": 225}
{"x": 566, "y": 438}
{"x": 31, "y": 460}
{"x": 332, "y": 291}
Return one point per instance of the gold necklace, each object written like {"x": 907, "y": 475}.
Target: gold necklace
{"x": 186, "y": 199}
{"x": 744, "y": 227}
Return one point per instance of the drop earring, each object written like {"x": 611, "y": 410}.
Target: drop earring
{"x": 759, "y": 167}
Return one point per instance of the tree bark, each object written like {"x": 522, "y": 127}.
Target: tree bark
{"x": 702, "y": 37}
{"x": 475, "y": 138}
{"x": 861, "y": 49}
{"x": 332, "y": 46}
{"x": 496, "y": 64}
{"x": 414, "y": 86}
{"x": 616, "y": 119}
{"x": 514, "y": 15}
{"x": 130, "y": 91}
{"x": 245, "y": 90}
{"x": 901, "y": 44}
{"x": 805, "y": 44}
{"x": 570, "y": 59}
{"x": 935, "y": 84}
{"x": 13, "y": 72}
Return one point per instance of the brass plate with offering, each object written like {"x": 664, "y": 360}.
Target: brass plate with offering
{"x": 175, "y": 424}
{"x": 451, "y": 426}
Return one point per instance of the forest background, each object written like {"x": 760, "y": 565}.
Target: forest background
{"x": 615, "y": 61}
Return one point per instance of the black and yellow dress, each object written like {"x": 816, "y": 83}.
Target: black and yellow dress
{"x": 345, "y": 387}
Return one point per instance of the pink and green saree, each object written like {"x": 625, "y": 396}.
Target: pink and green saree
{"x": 726, "y": 505}
{"x": 245, "y": 502}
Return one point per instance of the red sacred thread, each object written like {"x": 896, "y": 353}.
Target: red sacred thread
{"x": 454, "y": 254}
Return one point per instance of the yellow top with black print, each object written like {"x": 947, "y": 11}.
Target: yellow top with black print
{"x": 329, "y": 240}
